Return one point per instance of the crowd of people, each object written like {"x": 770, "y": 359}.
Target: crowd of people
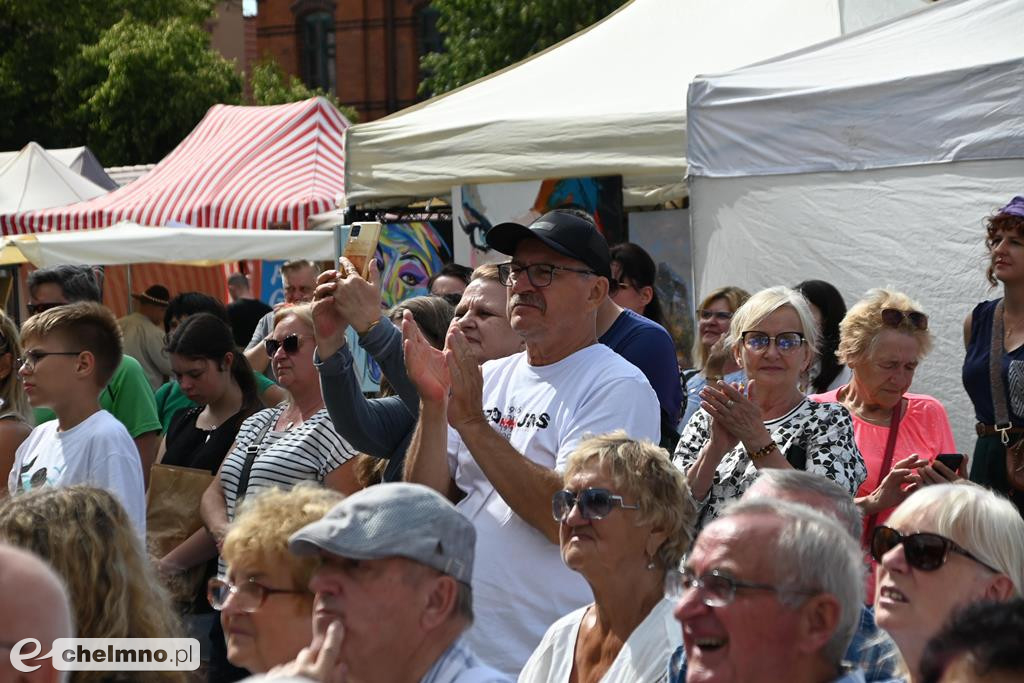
{"x": 537, "y": 493}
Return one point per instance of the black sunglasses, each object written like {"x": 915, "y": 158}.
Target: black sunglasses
{"x": 592, "y": 503}
{"x": 894, "y": 317}
{"x": 45, "y": 306}
{"x": 923, "y": 550}
{"x": 290, "y": 344}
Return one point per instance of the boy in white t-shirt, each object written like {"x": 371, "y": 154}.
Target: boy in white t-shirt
{"x": 70, "y": 353}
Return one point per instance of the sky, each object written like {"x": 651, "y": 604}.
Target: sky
{"x": 249, "y": 7}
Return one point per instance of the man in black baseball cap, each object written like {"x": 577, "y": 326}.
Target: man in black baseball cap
{"x": 518, "y": 419}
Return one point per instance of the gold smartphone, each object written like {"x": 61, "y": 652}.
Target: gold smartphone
{"x": 362, "y": 246}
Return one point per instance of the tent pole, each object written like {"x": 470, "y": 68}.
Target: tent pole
{"x": 128, "y": 287}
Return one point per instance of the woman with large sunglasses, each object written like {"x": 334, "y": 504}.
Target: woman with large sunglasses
{"x": 266, "y": 607}
{"x": 994, "y": 335}
{"x": 882, "y": 339}
{"x": 711, "y": 360}
{"x": 293, "y": 442}
{"x": 625, "y": 517}
{"x": 943, "y": 548}
{"x": 768, "y": 423}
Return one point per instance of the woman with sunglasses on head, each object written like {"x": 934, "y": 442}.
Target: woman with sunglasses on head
{"x": 625, "y": 517}
{"x": 15, "y": 412}
{"x": 882, "y": 339}
{"x": 943, "y": 548}
{"x": 712, "y": 361}
{"x": 265, "y": 605}
{"x": 768, "y": 423}
{"x": 994, "y": 336}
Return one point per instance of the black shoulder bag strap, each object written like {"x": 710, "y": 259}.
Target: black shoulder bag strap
{"x": 251, "y": 451}
{"x": 995, "y": 374}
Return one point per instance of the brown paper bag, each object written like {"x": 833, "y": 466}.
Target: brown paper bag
{"x": 172, "y": 515}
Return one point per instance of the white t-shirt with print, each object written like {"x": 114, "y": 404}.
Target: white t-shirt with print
{"x": 98, "y": 452}
{"x": 520, "y": 585}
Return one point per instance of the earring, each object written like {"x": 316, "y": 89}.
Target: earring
{"x": 650, "y": 563}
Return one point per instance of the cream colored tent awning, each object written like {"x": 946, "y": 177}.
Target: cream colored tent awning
{"x": 128, "y": 242}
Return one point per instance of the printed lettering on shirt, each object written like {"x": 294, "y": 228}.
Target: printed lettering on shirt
{"x": 516, "y": 417}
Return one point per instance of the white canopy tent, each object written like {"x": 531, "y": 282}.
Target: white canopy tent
{"x": 81, "y": 160}
{"x": 868, "y": 161}
{"x": 604, "y": 102}
{"x": 129, "y": 243}
{"x": 35, "y": 179}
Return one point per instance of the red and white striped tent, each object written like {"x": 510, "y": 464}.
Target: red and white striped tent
{"x": 241, "y": 167}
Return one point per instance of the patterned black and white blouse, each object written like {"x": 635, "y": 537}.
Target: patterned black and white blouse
{"x": 817, "y": 435}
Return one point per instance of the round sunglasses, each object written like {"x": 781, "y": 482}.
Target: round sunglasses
{"x": 924, "y": 550}
{"x": 592, "y": 503}
{"x": 290, "y": 344}
{"x": 894, "y": 317}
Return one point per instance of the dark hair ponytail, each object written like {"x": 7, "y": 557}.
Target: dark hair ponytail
{"x": 206, "y": 336}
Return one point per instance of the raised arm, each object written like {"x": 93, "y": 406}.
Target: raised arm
{"x": 526, "y": 486}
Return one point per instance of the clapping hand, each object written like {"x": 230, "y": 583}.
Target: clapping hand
{"x": 735, "y": 416}
{"x": 467, "y": 381}
{"x": 425, "y": 365}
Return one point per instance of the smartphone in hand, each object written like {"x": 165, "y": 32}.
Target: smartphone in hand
{"x": 951, "y": 460}
{"x": 362, "y": 246}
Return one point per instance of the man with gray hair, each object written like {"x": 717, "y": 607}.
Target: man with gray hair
{"x": 393, "y": 592}
{"x": 771, "y": 592}
{"x": 35, "y": 605}
{"x": 871, "y": 648}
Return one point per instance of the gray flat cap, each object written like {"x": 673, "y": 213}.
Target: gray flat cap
{"x": 394, "y": 520}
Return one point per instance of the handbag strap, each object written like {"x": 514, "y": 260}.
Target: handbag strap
{"x": 890, "y": 449}
{"x": 251, "y": 451}
{"x": 995, "y": 375}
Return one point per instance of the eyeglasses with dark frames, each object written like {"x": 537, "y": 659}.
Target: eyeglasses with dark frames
{"x": 924, "y": 550}
{"x": 290, "y": 344}
{"x": 593, "y": 503}
{"x": 708, "y": 314}
{"x": 32, "y": 358}
{"x": 717, "y": 588}
{"x": 785, "y": 342}
{"x": 894, "y": 317}
{"x": 539, "y": 274}
{"x": 249, "y": 595}
{"x": 44, "y": 306}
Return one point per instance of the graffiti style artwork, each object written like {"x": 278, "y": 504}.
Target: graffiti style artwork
{"x": 476, "y": 208}
{"x": 407, "y": 255}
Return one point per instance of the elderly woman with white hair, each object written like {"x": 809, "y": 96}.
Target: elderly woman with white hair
{"x": 945, "y": 547}
{"x": 768, "y": 423}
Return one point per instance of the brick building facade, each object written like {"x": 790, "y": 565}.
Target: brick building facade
{"x": 365, "y": 51}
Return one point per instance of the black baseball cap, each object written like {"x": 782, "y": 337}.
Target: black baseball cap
{"x": 566, "y": 233}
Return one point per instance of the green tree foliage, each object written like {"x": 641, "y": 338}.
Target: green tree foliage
{"x": 66, "y": 70}
{"x": 271, "y": 85}
{"x": 483, "y": 36}
{"x": 143, "y": 87}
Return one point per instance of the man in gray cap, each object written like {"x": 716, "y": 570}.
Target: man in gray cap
{"x": 514, "y": 423}
{"x": 392, "y": 591}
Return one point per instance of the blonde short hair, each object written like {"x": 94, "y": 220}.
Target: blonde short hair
{"x": 983, "y": 522}
{"x": 643, "y": 471}
{"x": 89, "y": 326}
{"x": 486, "y": 271}
{"x": 11, "y": 392}
{"x": 763, "y": 304}
{"x": 259, "y": 534}
{"x": 304, "y": 312}
{"x": 863, "y": 323}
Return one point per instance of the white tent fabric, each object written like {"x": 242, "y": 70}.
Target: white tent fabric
{"x": 129, "y": 242}
{"x": 869, "y": 161}
{"x": 821, "y": 109}
{"x": 35, "y": 179}
{"x": 81, "y": 160}
{"x": 604, "y": 102}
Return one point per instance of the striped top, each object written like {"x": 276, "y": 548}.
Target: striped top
{"x": 309, "y": 452}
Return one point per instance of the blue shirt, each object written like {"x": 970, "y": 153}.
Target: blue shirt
{"x": 647, "y": 345}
